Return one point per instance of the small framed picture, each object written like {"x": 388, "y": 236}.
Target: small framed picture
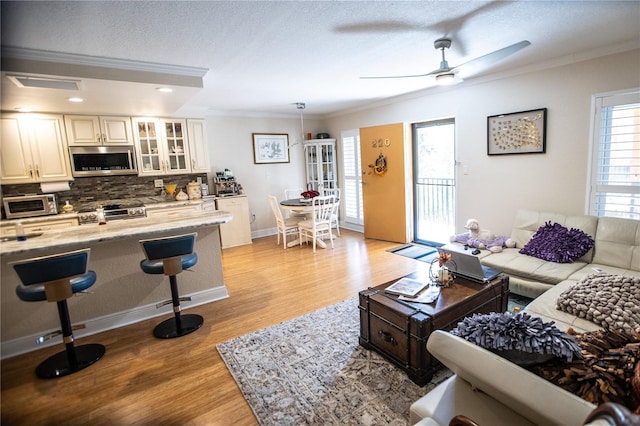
{"x": 270, "y": 148}
{"x": 517, "y": 133}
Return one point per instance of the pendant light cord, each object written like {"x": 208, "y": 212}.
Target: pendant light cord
{"x": 301, "y": 106}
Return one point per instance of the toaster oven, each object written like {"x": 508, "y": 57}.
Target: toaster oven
{"x": 30, "y": 205}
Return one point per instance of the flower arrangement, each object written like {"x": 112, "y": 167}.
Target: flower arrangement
{"x": 443, "y": 258}
{"x": 442, "y": 276}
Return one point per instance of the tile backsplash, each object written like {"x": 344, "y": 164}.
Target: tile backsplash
{"x": 89, "y": 190}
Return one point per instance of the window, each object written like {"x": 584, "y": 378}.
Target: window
{"x": 352, "y": 191}
{"x": 615, "y": 170}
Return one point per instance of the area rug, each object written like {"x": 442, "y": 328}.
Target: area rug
{"x": 310, "y": 370}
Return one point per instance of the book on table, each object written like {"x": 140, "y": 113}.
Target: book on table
{"x": 406, "y": 287}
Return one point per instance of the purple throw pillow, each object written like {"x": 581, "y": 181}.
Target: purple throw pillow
{"x": 556, "y": 243}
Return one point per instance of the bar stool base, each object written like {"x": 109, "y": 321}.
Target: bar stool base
{"x": 58, "y": 365}
{"x": 167, "y": 329}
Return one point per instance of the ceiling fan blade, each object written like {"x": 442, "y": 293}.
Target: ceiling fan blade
{"x": 379, "y": 27}
{"x": 393, "y": 76}
{"x": 484, "y": 61}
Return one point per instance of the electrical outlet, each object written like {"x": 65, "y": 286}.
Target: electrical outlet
{"x": 199, "y": 180}
{"x": 158, "y": 183}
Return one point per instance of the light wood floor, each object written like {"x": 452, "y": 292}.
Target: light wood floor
{"x": 143, "y": 380}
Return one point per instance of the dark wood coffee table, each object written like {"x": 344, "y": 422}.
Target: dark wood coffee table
{"x": 399, "y": 330}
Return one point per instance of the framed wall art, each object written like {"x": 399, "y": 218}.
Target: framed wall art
{"x": 517, "y": 133}
{"x": 270, "y": 148}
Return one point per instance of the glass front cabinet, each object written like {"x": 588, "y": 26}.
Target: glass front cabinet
{"x": 162, "y": 146}
{"x": 320, "y": 157}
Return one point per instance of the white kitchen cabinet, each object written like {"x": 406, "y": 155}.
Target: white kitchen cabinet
{"x": 161, "y": 146}
{"x": 49, "y": 223}
{"x": 34, "y": 149}
{"x": 237, "y": 232}
{"x": 320, "y": 158}
{"x": 98, "y": 130}
{"x": 172, "y": 211}
{"x": 198, "y": 149}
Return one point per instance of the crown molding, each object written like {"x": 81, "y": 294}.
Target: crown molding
{"x": 95, "y": 61}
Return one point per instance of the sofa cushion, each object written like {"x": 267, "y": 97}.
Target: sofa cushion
{"x": 555, "y": 243}
{"x": 618, "y": 243}
{"x": 544, "y": 306}
{"x": 522, "y": 391}
{"x": 527, "y": 222}
{"x": 599, "y": 267}
{"x": 611, "y": 301}
{"x": 511, "y": 262}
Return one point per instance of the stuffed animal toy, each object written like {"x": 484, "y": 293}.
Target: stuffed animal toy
{"x": 482, "y": 238}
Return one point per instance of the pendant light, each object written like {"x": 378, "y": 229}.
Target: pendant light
{"x": 301, "y": 106}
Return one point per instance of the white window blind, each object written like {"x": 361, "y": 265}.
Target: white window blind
{"x": 615, "y": 172}
{"x": 351, "y": 197}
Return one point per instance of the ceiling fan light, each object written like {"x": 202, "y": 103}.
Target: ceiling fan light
{"x": 444, "y": 79}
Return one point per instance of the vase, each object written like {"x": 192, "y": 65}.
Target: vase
{"x": 440, "y": 275}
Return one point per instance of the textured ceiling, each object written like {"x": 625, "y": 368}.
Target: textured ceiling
{"x": 262, "y": 57}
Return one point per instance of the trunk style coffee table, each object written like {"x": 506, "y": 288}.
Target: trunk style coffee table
{"x": 399, "y": 330}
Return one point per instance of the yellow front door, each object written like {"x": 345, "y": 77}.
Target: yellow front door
{"x": 383, "y": 182}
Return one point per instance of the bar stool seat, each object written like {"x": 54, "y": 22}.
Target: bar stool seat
{"x": 170, "y": 256}
{"x": 37, "y": 293}
{"x": 55, "y": 278}
{"x": 157, "y": 266}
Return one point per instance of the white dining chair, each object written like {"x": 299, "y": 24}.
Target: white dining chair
{"x": 334, "y": 216}
{"x": 319, "y": 226}
{"x": 285, "y": 226}
{"x": 294, "y": 193}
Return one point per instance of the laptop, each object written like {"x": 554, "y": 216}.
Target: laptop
{"x": 469, "y": 266}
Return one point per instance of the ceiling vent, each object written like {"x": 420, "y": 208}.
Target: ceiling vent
{"x": 44, "y": 82}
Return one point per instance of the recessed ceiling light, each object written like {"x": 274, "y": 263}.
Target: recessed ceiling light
{"x": 24, "y": 109}
{"x": 76, "y": 100}
{"x": 34, "y": 81}
{"x": 164, "y": 89}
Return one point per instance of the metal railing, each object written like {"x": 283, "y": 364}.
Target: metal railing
{"x": 435, "y": 209}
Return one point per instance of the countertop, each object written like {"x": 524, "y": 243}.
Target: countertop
{"x": 118, "y": 229}
{"x": 150, "y": 203}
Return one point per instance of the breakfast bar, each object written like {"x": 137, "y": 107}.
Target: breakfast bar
{"x": 123, "y": 294}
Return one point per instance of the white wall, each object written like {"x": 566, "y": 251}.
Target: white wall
{"x": 231, "y": 147}
{"x": 496, "y": 186}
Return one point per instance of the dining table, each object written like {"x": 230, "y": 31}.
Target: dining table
{"x": 299, "y": 205}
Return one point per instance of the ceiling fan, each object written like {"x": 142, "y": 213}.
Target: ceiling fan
{"x": 446, "y": 74}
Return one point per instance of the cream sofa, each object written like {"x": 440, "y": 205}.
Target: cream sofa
{"x": 616, "y": 250}
{"x": 493, "y": 391}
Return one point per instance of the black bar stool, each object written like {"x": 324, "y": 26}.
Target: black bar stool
{"x": 170, "y": 256}
{"x": 55, "y": 279}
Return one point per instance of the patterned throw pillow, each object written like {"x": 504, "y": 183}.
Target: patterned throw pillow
{"x": 555, "y": 243}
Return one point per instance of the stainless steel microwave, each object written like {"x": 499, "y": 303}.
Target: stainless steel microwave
{"x": 103, "y": 160}
{"x": 30, "y": 205}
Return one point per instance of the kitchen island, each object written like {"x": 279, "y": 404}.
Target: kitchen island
{"x": 122, "y": 294}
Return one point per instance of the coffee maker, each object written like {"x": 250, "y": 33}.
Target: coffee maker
{"x": 225, "y": 185}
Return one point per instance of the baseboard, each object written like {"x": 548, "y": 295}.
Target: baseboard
{"x": 273, "y": 231}
{"x": 26, "y": 344}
